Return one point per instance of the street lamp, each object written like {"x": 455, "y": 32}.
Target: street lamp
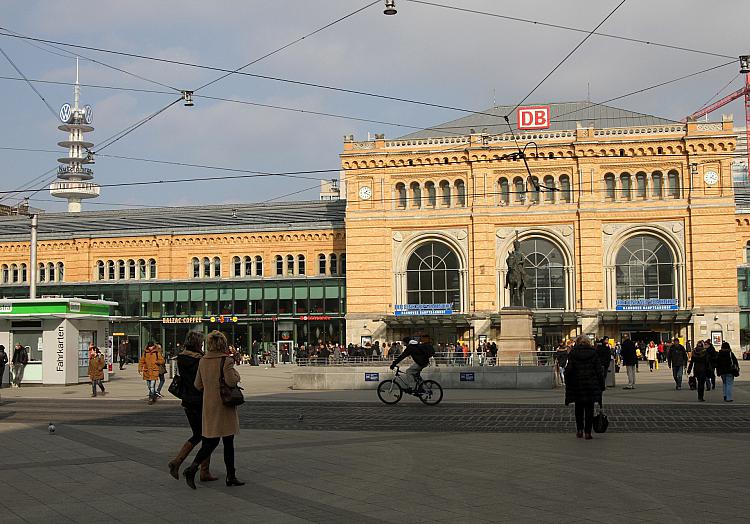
{"x": 390, "y": 7}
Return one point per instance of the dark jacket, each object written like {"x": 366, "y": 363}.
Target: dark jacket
{"x": 712, "y": 355}
{"x": 677, "y": 356}
{"x": 187, "y": 367}
{"x": 3, "y": 359}
{"x": 561, "y": 356}
{"x": 20, "y": 356}
{"x": 584, "y": 380}
{"x": 604, "y": 354}
{"x": 420, "y": 354}
{"x": 725, "y": 361}
{"x": 699, "y": 363}
{"x": 627, "y": 353}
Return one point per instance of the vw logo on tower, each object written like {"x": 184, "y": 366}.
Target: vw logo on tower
{"x": 65, "y": 113}
{"x": 88, "y": 114}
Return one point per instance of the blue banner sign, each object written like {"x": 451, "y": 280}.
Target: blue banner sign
{"x": 423, "y": 309}
{"x": 646, "y": 304}
{"x": 372, "y": 377}
{"x": 467, "y": 377}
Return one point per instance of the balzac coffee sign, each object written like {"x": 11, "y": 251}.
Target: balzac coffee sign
{"x": 181, "y": 320}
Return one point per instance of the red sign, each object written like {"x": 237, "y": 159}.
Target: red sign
{"x": 315, "y": 317}
{"x": 533, "y": 117}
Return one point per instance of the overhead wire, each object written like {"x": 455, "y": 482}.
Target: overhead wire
{"x": 12, "y": 63}
{"x": 716, "y": 95}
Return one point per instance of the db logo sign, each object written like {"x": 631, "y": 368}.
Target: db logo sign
{"x": 536, "y": 117}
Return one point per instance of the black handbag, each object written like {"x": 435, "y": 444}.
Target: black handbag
{"x": 175, "y": 387}
{"x": 735, "y": 366}
{"x": 230, "y": 395}
{"x": 600, "y": 422}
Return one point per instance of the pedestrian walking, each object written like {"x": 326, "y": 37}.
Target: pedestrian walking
{"x": 3, "y": 362}
{"x": 727, "y": 368}
{"x": 677, "y": 359}
{"x": 584, "y": 383}
{"x": 162, "y": 370}
{"x": 561, "y": 359}
{"x": 220, "y": 422}
{"x": 604, "y": 353}
{"x": 711, "y": 372}
{"x": 651, "y": 353}
{"x": 96, "y": 371}
{"x": 148, "y": 367}
{"x": 192, "y": 403}
{"x": 699, "y": 366}
{"x": 19, "y": 360}
{"x": 122, "y": 352}
{"x": 629, "y": 360}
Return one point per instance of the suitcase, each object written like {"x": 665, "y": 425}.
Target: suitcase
{"x": 692, "y": 382}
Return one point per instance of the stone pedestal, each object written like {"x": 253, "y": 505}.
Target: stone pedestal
{"x": 516, "y": 335}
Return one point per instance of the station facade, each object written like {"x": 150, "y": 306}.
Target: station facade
{"x": 627, "y": 224}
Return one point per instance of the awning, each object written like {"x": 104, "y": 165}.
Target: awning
{"x": 426, "y": 320}
{"x": 626, "y": 317}
{"x": 546, "y": 318}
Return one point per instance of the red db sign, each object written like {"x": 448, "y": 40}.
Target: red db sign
{"x": 536, "y": 117}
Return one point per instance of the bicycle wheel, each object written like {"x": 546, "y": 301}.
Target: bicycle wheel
{"x": 432, "y": 393}
{"x": 389, "y": 391}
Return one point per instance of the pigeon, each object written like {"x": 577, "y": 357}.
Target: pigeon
{"x": 51, "y": 428}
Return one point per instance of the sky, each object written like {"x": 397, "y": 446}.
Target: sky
{"x": 425, "y": 53}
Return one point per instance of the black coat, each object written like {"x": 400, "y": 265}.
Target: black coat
{"x": 605, "y": 357}
{"x": 187, "y": 368}
{"x": 677, "y": 356}
{"x": 725, "y": 361}
{"x": 699, "y": 363}
{"x": 628, "y": 354}
{"x": 584, "y": 379}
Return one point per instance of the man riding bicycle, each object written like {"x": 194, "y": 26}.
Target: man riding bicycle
{"x": 420, "y": 352}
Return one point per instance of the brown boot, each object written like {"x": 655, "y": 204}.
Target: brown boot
{"x": 174, "y": 465}
{"x": 205, "y": 473}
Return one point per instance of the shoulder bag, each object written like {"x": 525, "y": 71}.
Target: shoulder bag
{"x": 230, "y": 396}
{"x": 735, "y": 365}
{"x": 175, "y": 387}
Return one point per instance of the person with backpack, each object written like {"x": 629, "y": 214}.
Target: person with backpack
{"x": 96, "y": 371}
{"x": 420, "y": 352}
{"x": 677, "y": 358}
{"x": 727, "y": 368}
{"x": 148, "y": 367}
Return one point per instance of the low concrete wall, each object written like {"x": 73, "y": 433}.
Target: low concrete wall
{"x": 470, "y": 377}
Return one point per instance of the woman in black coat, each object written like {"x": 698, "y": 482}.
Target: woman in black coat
{"x": 192, "y": 403}
{"x": 700, "y": 366}
{"x": 584, "y": 383}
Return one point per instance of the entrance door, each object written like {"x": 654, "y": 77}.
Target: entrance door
{"x": 283, "y": 352}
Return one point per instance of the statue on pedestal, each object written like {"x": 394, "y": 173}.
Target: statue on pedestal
{"x": 515, "y": 279}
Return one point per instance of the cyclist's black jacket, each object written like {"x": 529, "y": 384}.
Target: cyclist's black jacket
{"x": 420, "y": 353}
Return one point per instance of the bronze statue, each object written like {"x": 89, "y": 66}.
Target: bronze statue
{"x": 515, "y": 278}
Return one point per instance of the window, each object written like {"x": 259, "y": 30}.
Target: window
{"x": 141, "y": 268}
{"x": 432, "y": 276}
{"x": 445, "y": 193}
{"x": 248, "y": 261}
{"x": 196, "y": 268}
{"x": 152, "y": 268}
{"x": 50, "y": 272}
{"x": 673, "y": 180}
{"x": 14, "y": 273}
{"x": 279, "y": 265}
{"x": 504, "y": 191}
{"x": 545, "y": 274}
{"x": 657, "y": 184}
{"x": 625, "y": 186}
{"x": 460, "y": 193}
{"x": 321, "y": 264}
{"x": 131, "y": 269}
{"x": 416, "y": 195}
{"x": 100, "y": 270}
{"x": 6, "y": 274}
{"x": 610, "y": 187}
{"x": 121, "y": 269}
{"x": 290, "y": 264}
{"x": 640, "y": 185}
{"x": 258, "y": 266}
{"x": 60, "y": 271}
{"x": 334, "y": 264}
{"x": 566, "y": 195}
{"x": 549, "y": 193}
{"x": 236, "y": 267}
{"x": 206, "y": 267}
{"x": 301, "y": 264}
{"x": 519, "y": 188}
{"x": 747, "y": 253}
{"x": 24, "y": 273}
{"x": 535, "y": 190}
{"x": 431, "y": 194}
{"x": 644, "y": 269}
{"x": 42, "y": 273}
{"x": 343, "y": 264}
{"x": 111, "y": 269}
{"x": 401, "y": 195}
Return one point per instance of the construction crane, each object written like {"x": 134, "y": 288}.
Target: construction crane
{"x": 744, "y": 91}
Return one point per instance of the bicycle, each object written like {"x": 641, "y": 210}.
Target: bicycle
{"x": 428, "y": 391}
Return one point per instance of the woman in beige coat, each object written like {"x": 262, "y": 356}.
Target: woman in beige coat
{"x": 220, "y": 422}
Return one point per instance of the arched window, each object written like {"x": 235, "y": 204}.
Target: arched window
{"x": 152, "y": 268}
{"x": 42, "y": 273}
{"x": 50, "y": 272}
{"x": 206, "y": 267}
{"x": 432, "y": 276}
{"x": 196, "y": 268}
{"x": 121, "y": 269}
{"x": 549, "y": 193}
{"x": 545, "y": 274}
{"x": 110, "y": 269}
{"x": 535, "y": 190}
{"x": 334, "y": 264}
{"x": 610, "y": 187}
{"x": 236, "y": 267}
{"x": 657, "y": 184}
{"x": 279, "y": 265}
{"x": 640, "y": 185}
{"x": 6, "y": 274}
{"x": 321, "y": 264}
{"x": 100, "y": 270}
{"x": 566, "y": 195}
{"x": 141, "y": 268}
{"x": 258, "y": 266}
{"x": 60, "y": 271}
{"x": 519, "y": 188}
{"x": 131, "y": 269}
{"x": 290, "y": 264}
{"x": 301, "y": 264}
{"x": 645, "y": 269}
{"x": 460, "y": 193}
{"x": 24, "y": 273}
{"x": 248, "y": 263}
{"x": 416, "y": 195}
{"x": 401, "y": 195}
{"x": 431, "y": 194}
{"x": 14, "y": 273}
{"x": 504, "y": 191}
{"x": 625, "y": 186}
{"x": 343, "y": 264}
{"x": 673, "y": 180}
{"x": 747, "y": 253}
{"x": 445, "y": 193}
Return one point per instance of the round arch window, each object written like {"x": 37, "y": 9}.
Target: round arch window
{"x": 645, "y": 269}
{"x": 432, "y": 276}
{"x": 545, "y": 274}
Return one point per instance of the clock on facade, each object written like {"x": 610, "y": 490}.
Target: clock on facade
{"x": 365, "y": 193}
{"x": 711, "y": 177}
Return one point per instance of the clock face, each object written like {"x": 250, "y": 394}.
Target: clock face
{"x": 711, "y": 177}
{"x": 365, "y": 193}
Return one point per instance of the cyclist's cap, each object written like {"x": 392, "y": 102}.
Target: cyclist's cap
{"x": 412, "y": 341}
